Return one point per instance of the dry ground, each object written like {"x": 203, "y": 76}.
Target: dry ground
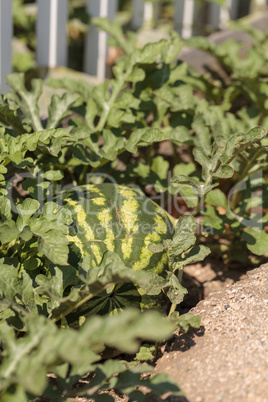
{"x": 226, "y": 360}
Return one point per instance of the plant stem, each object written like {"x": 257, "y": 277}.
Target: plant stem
{"x": 83, "y": 174}
{"x": 79, "y": 303}
{"x": 172, "y": 309}
{"x": 244, "y": 174}
{"x": 107, "y": 106}
{"x": 180, "y": 274}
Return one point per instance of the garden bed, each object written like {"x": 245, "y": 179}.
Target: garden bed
{"x": 194, "y": 143}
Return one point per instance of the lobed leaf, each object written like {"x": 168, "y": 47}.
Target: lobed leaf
{"x": 59, "y": 108}
{"x": 27, "y": 101}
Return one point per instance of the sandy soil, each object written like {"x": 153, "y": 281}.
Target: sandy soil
{"x": 226, "y": 360}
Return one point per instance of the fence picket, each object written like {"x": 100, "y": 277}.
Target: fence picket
{"x": 214, "y": 15}
{"x": 96, "y": 41}
{"x": 51, "y": 33}
{"x": 148, "y": 15}
{"x": 137, "y": 13}
{"x": 52, "y": 19}
{"x": 184, "y": 17}
{"x": 5, "y": 41}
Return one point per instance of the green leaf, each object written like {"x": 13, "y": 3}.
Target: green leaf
{"x": 14, "y": 148}
{"x": 160, "y": 166}
{"x": 213, "y": 220}
{"x": 146, "y": 353}
{"x": 25, "y": 211}
{"x": 142, "y": 170}
{"x": 148, "y": 54}
{"x": 5, "y": 207}
{"x": 54, "y": 246}
{"x": 256, "y": 240}
{"x": 26, "y": 234}
{"x": 224, "y": 172}
{"x": 240, "y": 141}
{"x": 10, "y": 282}
{"x": 11, "y": 118}
{"x": 144, "y": 137}
{"x": 138, "y": 74}
{"x": 8, "y": 231}
{"x": 112, "y": 145}
{"x": 115, "y": 31}
{"x": 149, "y": 325}
{"x": 17, "y": 367}
{"x": 197, "y": 253}
{"x": 53, "y": 175}
{"x": 26, "y": 100}
{"x": 180, "y": 135}
{"x": 255, "y": 134}
{"x": 3, "y": 169}
{"x": 81, "y": 86}
{"x": 59, "y": 108}
{"x": 15, "y": 287}
{"x": 61, "y": 278}
{"x": 186, "y": 180}
{"x": 217, "y": 198}
{"x": 85, "y": 157}
{"x": 185, "y": 168}
{"x": 173, "y": 48}
{"x": 203, "y": 139}
{"x": 185, "y": 321}
{"x": 176, "y": 291}
{"x": 100, "y": 281}
{"x": 91, "y": 113}
{"x": 55, "y": 212}
{"x": 204, "y": 161}
{"x": 155, "y": 285}
{"x": 184, "y": 236}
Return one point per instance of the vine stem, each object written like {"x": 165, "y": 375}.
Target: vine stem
{"x": 79, "y": 303}
{"x": 172, "y": 309}
{"x": 107, "y": 105}
{"x": 106, "y": 111}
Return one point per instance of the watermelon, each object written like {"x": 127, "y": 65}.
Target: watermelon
{"x": 120, "y": 219}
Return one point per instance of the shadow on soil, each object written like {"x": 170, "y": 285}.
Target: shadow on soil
{"x": 184, "y": 342}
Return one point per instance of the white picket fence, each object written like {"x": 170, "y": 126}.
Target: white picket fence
{"x": 52, "y": 18}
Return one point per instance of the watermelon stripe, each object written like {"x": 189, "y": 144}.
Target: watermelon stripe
{"x": 119, "y": 219}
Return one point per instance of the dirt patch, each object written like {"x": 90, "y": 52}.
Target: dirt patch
{"x": 206, "y": 277}
{"x": 227, "y": 358}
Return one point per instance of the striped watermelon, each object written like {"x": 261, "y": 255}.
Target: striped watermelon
{"x": 119, "y": 219}
{"x": 122, "y": 220}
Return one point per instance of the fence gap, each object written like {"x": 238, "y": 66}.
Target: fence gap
{"x": 51, "y": 33}
{"x": 96, "y": 41}
{"x": 6, "y": 32}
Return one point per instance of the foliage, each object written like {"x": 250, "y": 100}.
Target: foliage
{"x": 24, "y": 41}
{"x": 24, "y": 19}
{"x": 221, "y": 129}
{"x": 50, "y": 318}
{"x": 49, "y": 304}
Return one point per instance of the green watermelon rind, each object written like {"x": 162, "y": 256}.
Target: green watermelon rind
{"x": 120, "y": 219}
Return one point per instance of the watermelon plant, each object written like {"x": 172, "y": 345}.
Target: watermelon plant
{"x": 90, "y": 264}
